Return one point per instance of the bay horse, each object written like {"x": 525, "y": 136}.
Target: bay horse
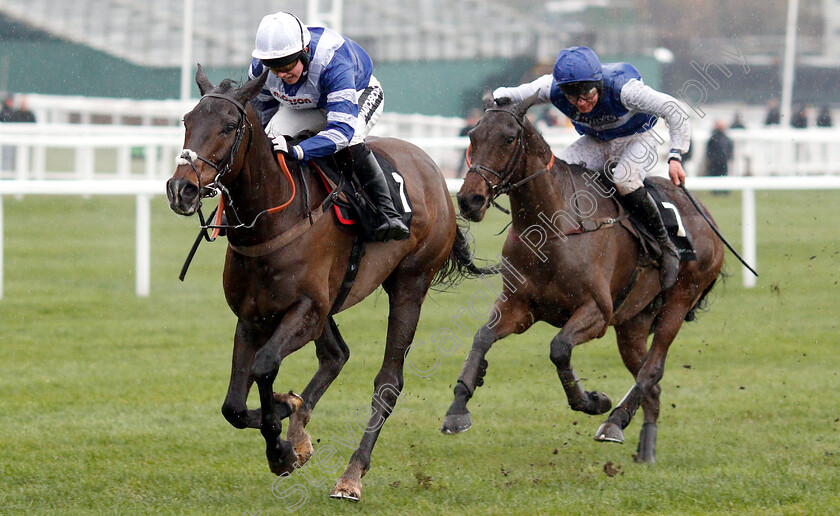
{"x": 283, "y": 272}
{"x": 569, "y": 262}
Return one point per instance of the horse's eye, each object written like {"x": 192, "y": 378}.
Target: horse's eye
{"x": 510, "y": 140}
{"x": 230, "y": 128}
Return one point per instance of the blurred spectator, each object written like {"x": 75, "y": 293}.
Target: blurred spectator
{"x": 799, "y": 119}
{"x": 10, "y": 113}
{"x": 7, "y": 112}
{"x": 737, "y": 122}
{"x": 7, "y": 152}
{"x": 472, "y": 118}
{"x": 23, "y": 113}
{"x": 774, "y": 116}
{"x": 824, "y": 117}
{"x": 687, "y": 154}
{"x": 719, "y": 152}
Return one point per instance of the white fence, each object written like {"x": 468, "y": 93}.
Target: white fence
{"x": 143, "y": 190}
{"x": 151, "y": 135}
{"x": 79, "y": 151}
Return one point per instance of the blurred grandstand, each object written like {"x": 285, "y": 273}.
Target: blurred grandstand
{"x": 433, "y": 57}
{"x": 148, "y": 32}
{"x": 133, "y": 48}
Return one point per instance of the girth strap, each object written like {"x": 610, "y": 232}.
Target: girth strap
{"x": 350, "y": 276}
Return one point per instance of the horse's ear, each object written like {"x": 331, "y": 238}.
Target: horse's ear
{"x": 250, "y": 89}
{"x": 487, "y": 99}
{"x": 520, "y": 109}
{"x": 204, "y": 84}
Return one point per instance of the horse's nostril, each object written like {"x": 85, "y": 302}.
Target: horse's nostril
{"x": 477, "y": 200}
{"x": 189, "y": 192}
{"x": 471, "y": 202}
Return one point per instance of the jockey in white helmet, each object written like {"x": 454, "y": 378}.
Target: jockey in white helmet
{"x": 321, "y": 81}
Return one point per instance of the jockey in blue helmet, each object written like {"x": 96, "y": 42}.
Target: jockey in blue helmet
{"x": 614, "y": 111}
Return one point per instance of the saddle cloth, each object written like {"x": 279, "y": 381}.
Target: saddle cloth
{"x": 352, "y": 207}
{"x": 672, "y": 219}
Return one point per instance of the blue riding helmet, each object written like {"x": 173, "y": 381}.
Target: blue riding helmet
{"x": 577, "y": 64}
{"x": 578, "y": 70}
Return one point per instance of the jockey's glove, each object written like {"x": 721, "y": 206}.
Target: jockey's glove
{"x": 279, "y": 145}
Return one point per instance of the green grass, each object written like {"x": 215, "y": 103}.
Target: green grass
{"x": 109, "y": 403}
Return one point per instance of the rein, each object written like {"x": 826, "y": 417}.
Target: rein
{"x": 504, "y": 187}
{"x": 188, "y": 157}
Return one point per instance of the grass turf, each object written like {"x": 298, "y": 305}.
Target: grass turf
{"x": 110, "y": 403}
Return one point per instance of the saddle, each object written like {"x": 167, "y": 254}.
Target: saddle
{"x": 671, "y": 218}
{"x": 351, "y": 206}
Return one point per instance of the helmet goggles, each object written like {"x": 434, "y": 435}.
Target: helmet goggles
{"x": 576, "y": 91}
{"x": 282, "y": 64}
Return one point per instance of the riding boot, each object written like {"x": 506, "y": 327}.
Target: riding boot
{"x": 372, "y": 177}
{"x": 642, "y": 206}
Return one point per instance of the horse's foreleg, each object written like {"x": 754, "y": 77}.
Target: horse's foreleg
{"x": 632, "y": 345}
{"x": 404, "y": 312}
{"x": 513, "y": 317}
{"x": 650, "y": 372}
{"x": 235, "y": 407}
{"x": 332, "y": 353}
{"x": 587, "y": 323}
{"x": 295, "y": 330}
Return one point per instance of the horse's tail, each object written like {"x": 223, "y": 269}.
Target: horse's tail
{"x": 460, "y": 265}
{"x": 702, "y": 302}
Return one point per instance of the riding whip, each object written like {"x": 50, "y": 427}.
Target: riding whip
{"x": 697, "y": 206}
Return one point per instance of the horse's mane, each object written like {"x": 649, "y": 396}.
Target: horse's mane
{"x": 226, "y": 85}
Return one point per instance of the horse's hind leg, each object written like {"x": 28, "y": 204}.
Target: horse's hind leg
{"x": 587, "y": 323}
{"x": 632, "y": 345}
{"x": 650, "y": 372}
{"x": 404, "y": 312}
{"x": 332, "y": 353}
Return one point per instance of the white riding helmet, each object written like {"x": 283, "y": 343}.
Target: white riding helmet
{"x": 280, "y": 35}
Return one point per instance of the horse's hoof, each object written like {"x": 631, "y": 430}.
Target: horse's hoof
{"x": 282, "y": 459}
{"x": 456, "y": 423}
{"x": 610, "y": 433}
{"x": 646, "y": 451}
{"x": 281, "y": 468}
{"x": 602, "y": 402}
{"x": 304, "y": 451}
{"x": 346, "y": 490}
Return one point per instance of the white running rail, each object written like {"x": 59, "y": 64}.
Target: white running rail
{"x": 144, "y": 189}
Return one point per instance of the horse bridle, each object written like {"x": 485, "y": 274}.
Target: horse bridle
{"x": 504, "y": 186}
{"x": 225, "y": 165}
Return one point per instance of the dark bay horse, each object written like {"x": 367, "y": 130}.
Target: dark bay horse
{"x": 569, "y": 262}
{"x": 283, "y": 273}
